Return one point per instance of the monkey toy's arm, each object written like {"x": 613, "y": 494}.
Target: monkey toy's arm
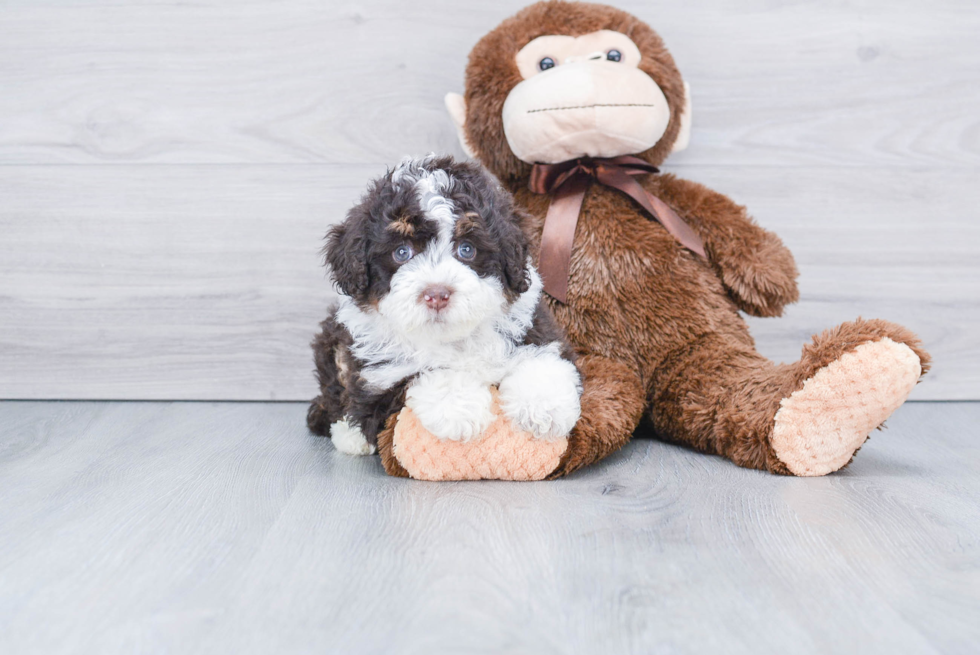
{"x": 755, "y": 267}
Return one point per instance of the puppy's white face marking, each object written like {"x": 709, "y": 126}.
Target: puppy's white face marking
{"x": 477, "y": 331}
{"x": 429, "y": 188}
{"x": 473, "y": 299}
{"x": 390, "y": 355}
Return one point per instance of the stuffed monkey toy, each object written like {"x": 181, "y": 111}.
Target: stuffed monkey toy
{"x": 571, "y": 106}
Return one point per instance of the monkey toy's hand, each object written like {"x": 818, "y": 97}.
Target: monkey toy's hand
{"x": 755, "y": 267}
{"x": 761, "y": 278}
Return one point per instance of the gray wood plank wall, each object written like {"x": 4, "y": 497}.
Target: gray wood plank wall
{"x": 167, "y": 170}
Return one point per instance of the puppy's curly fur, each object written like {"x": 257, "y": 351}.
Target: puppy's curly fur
{"x": 435, "y": 223}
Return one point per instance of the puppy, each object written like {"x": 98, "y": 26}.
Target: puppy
{"x": 438, "y": 301}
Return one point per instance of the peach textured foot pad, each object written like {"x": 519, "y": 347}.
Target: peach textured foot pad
{"x": 818, "y": 428}
{"x": 502, "y": 453}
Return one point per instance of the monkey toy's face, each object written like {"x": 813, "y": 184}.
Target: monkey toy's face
{"x": 560, "y": 81}
{"x": 582, "y": 97}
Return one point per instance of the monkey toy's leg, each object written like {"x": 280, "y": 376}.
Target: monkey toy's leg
{"x": 718, "y": 395}
{"x": 613, "y": 400}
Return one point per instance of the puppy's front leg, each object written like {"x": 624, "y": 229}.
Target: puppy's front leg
{"x": 541, "y": 393}
{"x": 450, "y": 404}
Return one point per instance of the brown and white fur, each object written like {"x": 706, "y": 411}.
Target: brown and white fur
{"x": 438, "y": 302}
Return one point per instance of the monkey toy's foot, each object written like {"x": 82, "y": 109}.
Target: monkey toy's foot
{"x": 503, "y": 452}
{"x": 820, "y": 426}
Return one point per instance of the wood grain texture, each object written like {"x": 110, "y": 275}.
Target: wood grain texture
{"x": 171, "y": 282}
{"x": 854, "y": 82}
{"x": 165, "y": 282}
{"x": 225, "y": 528}
{"x": 167, "y": 169}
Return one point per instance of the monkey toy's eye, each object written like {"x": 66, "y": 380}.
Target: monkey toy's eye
{"x": 402, "y": 253}
{"x": 546, "y": 63}
{"x": 466, "y": 251}
{"x": 614, "y": 55}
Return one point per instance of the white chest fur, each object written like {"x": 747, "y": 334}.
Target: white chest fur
{"x": 389, "y": 354}
{"x": 450, "y": 394}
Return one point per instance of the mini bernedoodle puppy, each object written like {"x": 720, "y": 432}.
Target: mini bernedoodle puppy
{"x": 438, "y": 302}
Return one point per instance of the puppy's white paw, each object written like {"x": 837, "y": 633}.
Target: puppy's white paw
{"x": 541, "y": 394}
{"x": 451, "y": 405}
{"x": 349, "y": 439}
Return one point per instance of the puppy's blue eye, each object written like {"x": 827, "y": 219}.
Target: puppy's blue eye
{"x": 465, "y": 250}
{"x": 614, "y": 55}
{"x": 546, "y": 63}
{"x": 402, "y": 253}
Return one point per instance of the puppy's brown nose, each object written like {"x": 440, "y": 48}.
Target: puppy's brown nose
{"x": 437, "y": 296}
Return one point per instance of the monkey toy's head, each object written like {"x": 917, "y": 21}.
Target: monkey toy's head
{"x": 564, "y": 80}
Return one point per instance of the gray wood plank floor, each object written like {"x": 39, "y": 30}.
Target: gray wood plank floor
{"x": 226, "y": 528}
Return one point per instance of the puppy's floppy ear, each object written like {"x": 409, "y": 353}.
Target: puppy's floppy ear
{"x": 513, "y": 250}
{"x": 346, "y": 254}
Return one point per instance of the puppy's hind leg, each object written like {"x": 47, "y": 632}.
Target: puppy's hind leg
{"x": 348, "y": 438}
{"x": 329, "y": 352}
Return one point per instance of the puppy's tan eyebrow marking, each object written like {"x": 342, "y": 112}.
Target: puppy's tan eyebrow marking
{"x": 402, "y": 226}
{"x": 466, "y": 223}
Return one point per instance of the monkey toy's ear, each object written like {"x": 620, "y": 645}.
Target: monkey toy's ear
{"x": 456, "y": 105}
{"x": 345, "y": 254}
{"x": 684, "y": 136}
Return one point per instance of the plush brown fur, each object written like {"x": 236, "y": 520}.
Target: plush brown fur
{"x": 386, "y": 439}
{"x": 657, "y": 327}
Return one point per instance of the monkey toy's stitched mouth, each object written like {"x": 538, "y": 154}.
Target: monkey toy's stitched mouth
{"x": 598, "y": 104}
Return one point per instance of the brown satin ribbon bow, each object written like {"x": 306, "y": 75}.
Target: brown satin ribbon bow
{"x": 568, "y": 182}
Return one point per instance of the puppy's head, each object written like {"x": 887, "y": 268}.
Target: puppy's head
{"x": 434, "y": 246}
